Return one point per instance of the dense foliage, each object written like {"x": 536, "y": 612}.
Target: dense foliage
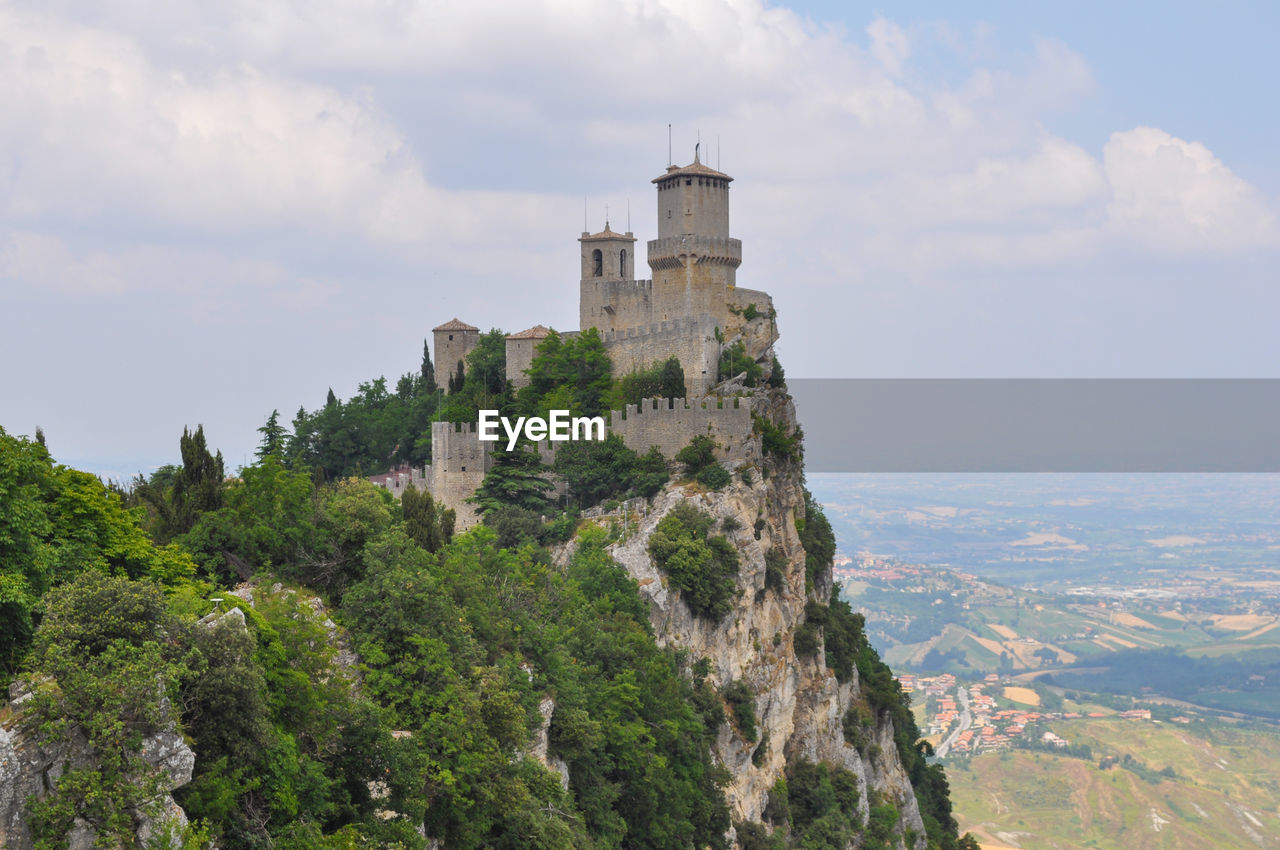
{"x": 462, "y": 645}
{"x": 599, "y": 470}
{"x": 574, "y": 374}
{"x": 817, "y": 538}
{"x": 661, "y": 380}
{"x": 370, "y": 431}
{"x": 56, "y": 522}
{"x": 471, "y": 647}
{"x": 735, "y": 361}
{"x": 703, "y": 567}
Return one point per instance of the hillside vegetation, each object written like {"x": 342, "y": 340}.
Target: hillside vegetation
{"x": 387, "y": 682}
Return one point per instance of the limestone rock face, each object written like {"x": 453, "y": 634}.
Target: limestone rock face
{"x": 30, "y": 767}
{"x": 799, "y": 704}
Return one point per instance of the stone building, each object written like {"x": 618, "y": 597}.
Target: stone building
{"x": 520, "y": 351}
{"x": 453, "y": 342}
{"x": 693, "y": 292}
{"x": 691, "y": 308}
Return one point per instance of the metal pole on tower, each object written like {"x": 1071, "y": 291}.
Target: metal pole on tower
{"x": 668, "y": 146}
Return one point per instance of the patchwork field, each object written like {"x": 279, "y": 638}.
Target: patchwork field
{"x": 1222, "y": 790}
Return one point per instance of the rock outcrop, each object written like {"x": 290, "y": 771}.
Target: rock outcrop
{"x": 31, "y": 766}
{"x": 799, "y": 704}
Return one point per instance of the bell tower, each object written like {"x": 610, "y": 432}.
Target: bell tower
{"x": 608, "y": 276}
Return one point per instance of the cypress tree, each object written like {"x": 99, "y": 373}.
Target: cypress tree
{"x": 428, "y": 371}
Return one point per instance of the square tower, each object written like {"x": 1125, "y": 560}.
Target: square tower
{"x": 454, "y": 341}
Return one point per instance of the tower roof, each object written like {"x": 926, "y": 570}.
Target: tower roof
{"x": 535, "y": 332}
{"x": 694, "y": 169}
{"x": 607, "y": 233}
{"x": 455, "y": 324}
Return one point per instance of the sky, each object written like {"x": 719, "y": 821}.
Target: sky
{"x": 210, "y": 211}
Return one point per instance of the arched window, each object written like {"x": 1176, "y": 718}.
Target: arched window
{"x": 622, "y": 263}
{"x": 597, "y": 263}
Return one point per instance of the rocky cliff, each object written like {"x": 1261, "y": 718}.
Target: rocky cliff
{"x": 799, "y": 704}
{"x": 31, "y": 765}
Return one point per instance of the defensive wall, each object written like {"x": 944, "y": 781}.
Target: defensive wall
{"x": 458, "y": 465}
{"x": 670, "y": 423}
{"x": 606, "y": 304}
{"x": 460, "y": 459}
{"x": 692, "y": 341}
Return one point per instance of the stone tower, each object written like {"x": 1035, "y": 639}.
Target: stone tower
{"x": 693, "y": 305}
{"x": 454, "y": 341}
{"x": 694, "y": 260}
{"x": 520, "y": 350}
{"x": 608, "y": 292}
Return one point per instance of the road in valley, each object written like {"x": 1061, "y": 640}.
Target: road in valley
{"x": 966, "y": 720}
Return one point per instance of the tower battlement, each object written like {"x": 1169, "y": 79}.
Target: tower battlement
{"x": 673, "y": 251}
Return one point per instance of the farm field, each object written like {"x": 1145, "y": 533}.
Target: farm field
{"x": 1222, "y": 792}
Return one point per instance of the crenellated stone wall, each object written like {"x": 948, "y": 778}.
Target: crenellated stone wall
{"x": 460, "y": 460}
{"x": 670, "y": 423}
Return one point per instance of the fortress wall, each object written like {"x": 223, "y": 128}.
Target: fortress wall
{"x": 670, "y": 424}
{"x": 693, "y": 342}
{"x": 630, "y": 302}
{"x": 740, "y": 297}
{"x": 459, "y": 462}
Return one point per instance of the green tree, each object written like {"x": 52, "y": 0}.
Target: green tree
{"x": 735, "y": 361}
{"x": 55, "y": 523}
{"x": 672, "y": 379}
{"x": 702, "y": 567}
{"x": 430, "y": 525}
{"x": 574, "y": 375}
{"x": 515, "y": 480}
{"x": 427, "y": 370}
{"x": 699, "y": 454}
{"x": 196, "y": 488}
{"x": 274, "y": 436}
{"x": 664, "y": 379}
{"x": 598, "y": 470}
{"x": 105, "y": 666}
{"x": 269, "y": 521}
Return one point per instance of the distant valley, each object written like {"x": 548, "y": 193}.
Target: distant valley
{"x": 1096, "y": 658}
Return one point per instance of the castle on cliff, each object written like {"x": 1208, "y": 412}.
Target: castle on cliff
{"x": 692, "y": 308}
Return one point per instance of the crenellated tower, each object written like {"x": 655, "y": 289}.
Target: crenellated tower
{"x": 694, "y": 259}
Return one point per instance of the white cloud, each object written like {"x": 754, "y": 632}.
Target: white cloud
{"x": 889, "y": 45}
{"x": 384, "y": 165}
{"x": 1175, "y": 195}
{"x": 45, "y": 262}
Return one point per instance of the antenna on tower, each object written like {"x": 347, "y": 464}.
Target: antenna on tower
{"x": 717, "y": 151}
{"x": 668, "y": 146}
{"x": 628, "y": 214}
{"x": 586, "y": 228}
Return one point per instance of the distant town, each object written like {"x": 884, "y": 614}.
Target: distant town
{"x": 994, "y": 714}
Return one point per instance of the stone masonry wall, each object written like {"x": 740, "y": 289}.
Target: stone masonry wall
{"x": 670, "y": 424}
{"x": 459, "y": 462}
